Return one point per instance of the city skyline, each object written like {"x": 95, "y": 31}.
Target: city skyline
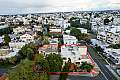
{"x": 43, "y": 6}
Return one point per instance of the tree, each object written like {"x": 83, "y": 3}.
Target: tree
{"x": 20, "y": 23}
{"x": 7, "y": 39}
{"x": 84, "y": 37}
{"x": 65, "y": 69}
{"x": 55, "y": 62}
{"x": 106, "y": 21}
{"x": 45, "y": 40}
{"x": 56, "y": 35}
{"x": 24, "y": 71}
{"x": 7, "y": 30}
{"x": 75, "y": 22}
{"x": 39, "y": 33}
{"x": 75, "y": 32}
{"x": 41, "y": 61}
{"x": 96, "y": 15}
{"x": 29, "y": 50}
{"x": 86, "y": 67}
{"x": 13, "y": 60}
{"x": 86, "y": 25}
{"x": 30, "y": 53}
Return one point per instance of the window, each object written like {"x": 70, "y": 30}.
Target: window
{"x": 64, "y": 58}
{"x": 77, "y": 62}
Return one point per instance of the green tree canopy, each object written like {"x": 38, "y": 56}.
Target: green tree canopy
{"x": 86, "y": 66}
{"x": 41, "y": 61}
{"x": 55, "y": 62}
{"x": 7, "y": 39}
{"x": 24, "y": 71}
{"x": 30, "y": 53}
{"x": 75, "y": 32}
{"x": 29, "y": 50}
{"x": 75, "y": 22}
{"x": 84, "y": 36}
{"x": 65, "y": 69}
{"x": 7, "y": 30}
{"x": 13, "y": 60}
{"x": 45, "y": 40}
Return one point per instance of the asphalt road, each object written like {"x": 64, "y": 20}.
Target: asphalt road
{"x": 105, "y": 73}
{"x": 2, "y": 71}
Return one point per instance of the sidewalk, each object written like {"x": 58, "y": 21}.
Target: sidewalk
{"x": 113, "y": 72}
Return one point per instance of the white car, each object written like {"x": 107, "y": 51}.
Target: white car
{"x": 118, "y": 71}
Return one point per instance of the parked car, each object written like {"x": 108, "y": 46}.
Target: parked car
{"x": 118, "y": 71}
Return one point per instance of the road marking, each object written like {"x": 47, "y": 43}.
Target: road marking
{"x": 99, "y": 77}
{"x": 105, "y": 70}
{"x": 102, "y": 71}
{"x": 101, "y": 56}
{"x": 102, "y": 65}
{"x": 104, "y": 59}
{"x": 104, "y": 75}
{"x": 115, "y": 74}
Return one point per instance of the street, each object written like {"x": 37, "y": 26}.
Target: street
{"x": 101, "y": 63}
{"x": 2, "y": 71}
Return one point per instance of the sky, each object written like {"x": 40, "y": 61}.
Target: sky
{"x": 33, "y": 6}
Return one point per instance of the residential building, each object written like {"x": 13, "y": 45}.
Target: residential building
{"x": 18, "y": 30}
{"x": 114, "y": 55}
{"x": 109, "y": 34}
{"x": 102, "y": 36}
{"x": 27, "y": 38}
{"x": 68, "y": 40}
{"x": 47, "y": 49}
{"x": 2, "y": 26}
{"x": 53, "y": 41}
{"x": 38, "y": 28}
{"x": 17, "y": 45}
{"x": 55, "y": 30}
{"x": 83, "y": 30}
{"x": 25, "y": 21}
{"x": 113, "y": 38}
{"x": 77, "y": 54}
